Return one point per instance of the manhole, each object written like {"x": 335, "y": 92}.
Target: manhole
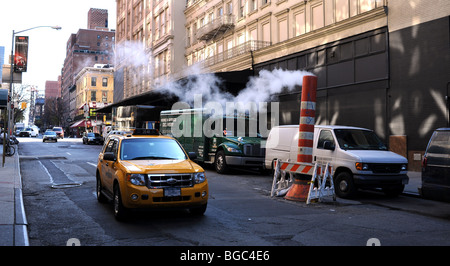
{"x": 70, "y": 185}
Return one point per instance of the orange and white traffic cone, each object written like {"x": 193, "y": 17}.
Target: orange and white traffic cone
{"x": 300, "y": 188}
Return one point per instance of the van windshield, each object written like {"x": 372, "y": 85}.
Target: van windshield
{"x": 356, "y": 139}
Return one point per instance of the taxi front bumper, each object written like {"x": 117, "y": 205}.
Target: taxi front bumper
{"x": 175, "y": 197}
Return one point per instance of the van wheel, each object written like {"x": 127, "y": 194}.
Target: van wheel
{"x": 220, "y": 163}
{"x": 344, "y": 186}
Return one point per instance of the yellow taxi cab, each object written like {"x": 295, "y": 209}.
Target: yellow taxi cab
{"x": 148, "y": 170}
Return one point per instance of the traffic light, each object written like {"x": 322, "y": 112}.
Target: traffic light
{"x": 23, "y": 105}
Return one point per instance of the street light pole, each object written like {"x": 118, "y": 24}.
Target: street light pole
{"x": 10, "y": 111}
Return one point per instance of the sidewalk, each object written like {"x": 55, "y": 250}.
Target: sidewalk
{"x": 415, "y": 182}
{"x": 13, "y": 222}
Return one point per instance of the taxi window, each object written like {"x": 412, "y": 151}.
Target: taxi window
{"x": 112, "y": 146}
{"x": 151, "y": 149}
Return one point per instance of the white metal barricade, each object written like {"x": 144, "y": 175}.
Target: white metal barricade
{"x": 320, "y": 173}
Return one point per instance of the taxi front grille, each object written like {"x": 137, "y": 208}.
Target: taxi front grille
{"x": 169, "y": 180}
{"x": 171, "y": 199}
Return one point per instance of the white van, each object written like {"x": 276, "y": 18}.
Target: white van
{"x": 359, "y": 158}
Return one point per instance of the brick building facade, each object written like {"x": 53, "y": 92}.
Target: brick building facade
{"x": 85, "y": 49}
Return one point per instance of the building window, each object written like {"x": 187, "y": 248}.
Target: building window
{"x": 300, "y": 25}
{"x": 342, "y": 10}
{"x": 104, "y": 96}
{"x": 282, "y": 30}
{"x": 241, "y": 8}
{"x": 317, "y": 17}
{"x": 105, "y": 82}
{"x": 230, "y": 8}
{"x": 253, "y": 6}
{"x": 93, "y": 96}
{"x": 93, "y": 81}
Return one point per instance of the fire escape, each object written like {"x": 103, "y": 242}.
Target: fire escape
{"x": 216, "y": 27}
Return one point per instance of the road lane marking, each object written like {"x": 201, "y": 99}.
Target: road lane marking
{"x": 93, "y": 164}
{"x": 45, "y": 168}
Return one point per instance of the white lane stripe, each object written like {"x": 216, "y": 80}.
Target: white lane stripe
{"x": 46, "y": 170}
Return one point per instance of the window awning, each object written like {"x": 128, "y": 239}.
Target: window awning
{"x": 81, "y": 123}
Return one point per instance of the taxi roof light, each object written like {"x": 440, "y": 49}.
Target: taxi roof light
{"x": 145, "y": 131}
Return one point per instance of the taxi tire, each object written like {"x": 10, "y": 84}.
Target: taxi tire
{"x": 198, "y": 211}
{"x": 120, "y": 212}
{"x": 100, "y": 197}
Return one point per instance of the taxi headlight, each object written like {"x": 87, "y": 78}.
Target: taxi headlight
{"x": 137, "y": 179}
{"x": 199, "y": 177}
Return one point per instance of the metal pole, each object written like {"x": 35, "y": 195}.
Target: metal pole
{"x": 8, "y": 107}
{"x": 9, "y": 114}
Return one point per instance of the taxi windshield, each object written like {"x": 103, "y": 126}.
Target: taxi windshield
{"x": 151, "y": 149}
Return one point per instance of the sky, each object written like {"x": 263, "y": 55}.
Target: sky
{"x": 47, "y": 47}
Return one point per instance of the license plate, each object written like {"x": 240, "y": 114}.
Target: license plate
{"x": 172, "y": 192}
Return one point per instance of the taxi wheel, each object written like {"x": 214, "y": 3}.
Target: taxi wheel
{"x": 100, "y": 197}
{"x": 198, "y": 211}
{"x": 120, "y": 212}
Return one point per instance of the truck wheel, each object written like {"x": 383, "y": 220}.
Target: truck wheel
{"x": 220, "y": 163}
{"x": 344, "y": 186}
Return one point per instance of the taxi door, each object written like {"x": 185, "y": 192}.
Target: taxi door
{"x": 107, "y": 171}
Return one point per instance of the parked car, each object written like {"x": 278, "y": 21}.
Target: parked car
{"x": 94, "y": 138}
{"x": 29, "y": 132}
{"x": 436, "y": 166}
{"x": 359, "y": 158}
{"x": 59, "y": 132}
{"x": 49, "y": 135}
{"x": 149, "y": 171}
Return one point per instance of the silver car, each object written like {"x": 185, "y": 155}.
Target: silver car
{"x": 50, "y": 135}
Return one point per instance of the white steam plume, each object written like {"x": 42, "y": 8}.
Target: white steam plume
{"x": 259, "y": 88}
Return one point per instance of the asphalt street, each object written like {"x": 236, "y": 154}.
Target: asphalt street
{"x": 60, "y": 202}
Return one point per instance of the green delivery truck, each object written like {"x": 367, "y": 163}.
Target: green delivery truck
{"x": 220, "y": 140}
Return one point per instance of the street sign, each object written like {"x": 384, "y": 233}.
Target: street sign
{"x": 3, "y": 98}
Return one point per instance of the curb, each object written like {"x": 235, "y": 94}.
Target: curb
{"x": 20, "y": 218}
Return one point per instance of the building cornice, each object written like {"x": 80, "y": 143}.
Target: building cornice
{"x": 361, "y": 23}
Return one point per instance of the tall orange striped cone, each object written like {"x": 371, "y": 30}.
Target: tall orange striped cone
{"x": 300, "y": 188}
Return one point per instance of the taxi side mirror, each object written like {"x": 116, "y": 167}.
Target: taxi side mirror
{"x": 109, "y": 156}
{"x": 192, "y": 155}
